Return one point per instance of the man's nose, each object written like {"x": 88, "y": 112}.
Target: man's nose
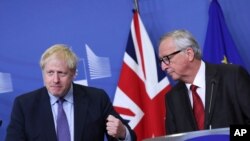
{"x": 164, "y": 66}
{"x": 56, "y": 77}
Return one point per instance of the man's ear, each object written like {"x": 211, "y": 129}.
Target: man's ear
{"x": 75, "y": 73}
{"x": 190, "y": 53}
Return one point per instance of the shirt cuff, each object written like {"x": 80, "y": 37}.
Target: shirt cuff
{"x": 127, "y": 137}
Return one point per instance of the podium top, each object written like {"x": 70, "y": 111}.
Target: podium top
{"x": 190, "y": 135}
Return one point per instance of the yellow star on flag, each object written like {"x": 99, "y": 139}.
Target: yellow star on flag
{"x": 224, "y": 60}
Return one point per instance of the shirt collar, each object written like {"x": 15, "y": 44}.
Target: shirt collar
{"x": 199, "y": 79}
{"x": 68, "y": 97}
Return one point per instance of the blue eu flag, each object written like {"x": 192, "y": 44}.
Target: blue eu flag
{"x": 219, "y": 46}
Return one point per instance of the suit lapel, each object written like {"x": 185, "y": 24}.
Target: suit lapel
{"x": 211, "y": 89}
{"x": 190, "y": 120}
{"x": 47, "y": 121}
{"x": 80, "y": 112}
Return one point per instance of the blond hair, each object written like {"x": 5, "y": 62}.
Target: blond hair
{"x": 61, "y": 51}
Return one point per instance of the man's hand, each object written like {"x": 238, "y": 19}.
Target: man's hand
{"x": 115, "y": 127}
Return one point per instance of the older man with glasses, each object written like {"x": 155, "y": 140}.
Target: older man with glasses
{"x": 206, "y": 95}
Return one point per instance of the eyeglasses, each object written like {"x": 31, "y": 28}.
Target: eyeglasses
{"x": 166, "y": 59}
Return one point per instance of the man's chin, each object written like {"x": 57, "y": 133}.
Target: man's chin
{"x": 174, "y": 77}
{"x": 171, "y": 75}
{"x": 56, "y": 93}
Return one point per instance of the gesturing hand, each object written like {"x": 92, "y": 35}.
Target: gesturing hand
{"x": 115, "y": 127}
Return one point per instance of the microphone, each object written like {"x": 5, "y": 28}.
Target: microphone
{"x": 213, "y": 82}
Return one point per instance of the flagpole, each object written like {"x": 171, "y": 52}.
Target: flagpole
{"x": 136, "y": 7}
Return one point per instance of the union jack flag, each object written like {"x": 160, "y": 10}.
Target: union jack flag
{"x": 139, "y": 96}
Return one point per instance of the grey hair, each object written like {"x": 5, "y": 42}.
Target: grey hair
{"x": 184, "y": 39}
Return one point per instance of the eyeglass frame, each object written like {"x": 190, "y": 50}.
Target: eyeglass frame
{"x": 166, "y": 59}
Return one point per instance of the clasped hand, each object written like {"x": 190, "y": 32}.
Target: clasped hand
{"x": 115, "y": 127}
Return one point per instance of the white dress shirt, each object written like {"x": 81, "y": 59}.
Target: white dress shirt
{"x": 68, "y": 109}
{"x": 200, "y": 81}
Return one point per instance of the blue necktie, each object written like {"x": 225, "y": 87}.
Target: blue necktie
{"x": 63, "y": 133}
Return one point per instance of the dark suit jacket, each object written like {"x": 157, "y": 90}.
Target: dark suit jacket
{"x": 228, "y": 90}
{"x": 32, "y": 119}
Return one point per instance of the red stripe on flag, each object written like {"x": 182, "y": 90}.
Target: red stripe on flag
{"x": 136, "y": 88}
{"x": 138, "y": 38}
{"x": 124, "y": 111}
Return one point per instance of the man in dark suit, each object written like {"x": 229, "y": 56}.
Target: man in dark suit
{"x": 88, "y": 112}
{"x": 223, "y": 89}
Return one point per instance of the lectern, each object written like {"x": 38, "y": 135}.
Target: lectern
{"x": 219, "y": 134}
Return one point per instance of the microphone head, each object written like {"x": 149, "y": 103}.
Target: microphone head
{"x": 213, "y": 81}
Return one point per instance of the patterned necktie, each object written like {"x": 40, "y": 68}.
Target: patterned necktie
{"x": 63, "y": 133}
{"x": 198, "y": 108}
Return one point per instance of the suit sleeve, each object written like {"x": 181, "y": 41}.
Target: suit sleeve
{"x": 243, "y": 93}
{"x": 169, "y": 122}
{"x": 15, "y": 130}
{"x": 109, "y": 109}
